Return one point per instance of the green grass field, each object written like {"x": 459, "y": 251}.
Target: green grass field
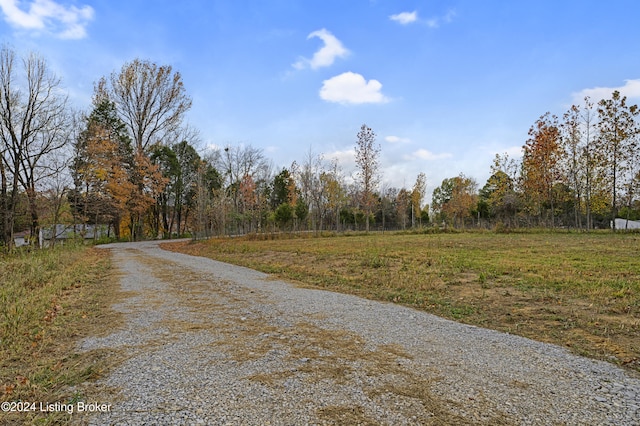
{"x": 578, "y": 290}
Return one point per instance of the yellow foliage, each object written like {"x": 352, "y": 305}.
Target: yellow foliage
{"x": 600, "y": 203}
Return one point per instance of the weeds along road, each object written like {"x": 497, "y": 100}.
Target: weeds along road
{"x": 211, "y": 343}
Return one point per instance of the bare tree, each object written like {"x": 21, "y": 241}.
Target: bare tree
{"x": 334, "y": 191}
{"x": 367, "y": 153}
{"x": 186, "y": 133}
{"x": 311, "y": 189}
{"x": 571, "y": 160}
{"x": 388, "y": 204}
{"x": 238, "y": 163}
{"x": 33, "y": 125}
{"x": 403, "y": 200}
{"x": 56, "y": 186}
{"x": 579, "y": 159}
{"x": 235, "y": 162}
{"x": 590, "y": 136}
{"x": 150, "y": 99}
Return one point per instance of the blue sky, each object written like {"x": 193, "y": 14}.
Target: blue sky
{"x": 444, "y": 84}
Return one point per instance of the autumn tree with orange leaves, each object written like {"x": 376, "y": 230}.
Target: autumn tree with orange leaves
{"x": 151, "y": 102}
{"x": 540, "y": 171}
{"x": 101, "y": 168}
{"x": 454, "y": 200}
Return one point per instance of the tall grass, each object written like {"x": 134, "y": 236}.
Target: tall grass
{"x": 31, "y": 284}
{"x": 48, "y": 298}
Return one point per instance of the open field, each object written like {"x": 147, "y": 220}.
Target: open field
{"x": 581, "y": 291}
{"x": 49, "y": 300}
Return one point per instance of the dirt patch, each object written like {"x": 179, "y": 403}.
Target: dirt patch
{"x": 345, "y": 415}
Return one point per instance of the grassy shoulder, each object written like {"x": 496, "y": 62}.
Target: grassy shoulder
{"x": 577, "y": 290}
{"x": 49, "y": 300}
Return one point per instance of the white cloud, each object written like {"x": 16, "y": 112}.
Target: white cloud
{"x": 425, "y": 154}
{"x": 436, "y": 21}
{"x": 630, "y": 89}
{"x": 345, "y": 157}
{"x": 352, "y": 88}
{"x": 448, "y": 17}
{"x": 47, "y": 15}
{"x": 396, "y": 139}
{"x": 433, "y": 23}
{"x": 212, "y": 147}
{"x": 346, "y": 160}
{"x": 513, "y": 152}
{"x": 405, "y": 18}
{"x": 327, "y": 54}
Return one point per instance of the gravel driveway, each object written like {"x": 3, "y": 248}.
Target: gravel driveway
{"x": 216, "y": 344}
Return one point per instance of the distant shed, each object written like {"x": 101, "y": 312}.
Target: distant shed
{"x": 624, "y": 224}
{"x": 21, "y": 238}
{"x": 61, "y": 233}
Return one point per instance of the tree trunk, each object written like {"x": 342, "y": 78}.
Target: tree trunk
{"x": 7, "y": 223}
{"x": 34, "y": 227}
{"x": 366, "y": 221}
{"x": 553, "y": 225}
{"x": 116, "y": 227}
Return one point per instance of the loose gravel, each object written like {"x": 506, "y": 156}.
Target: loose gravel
{"x": 215, "y": 344}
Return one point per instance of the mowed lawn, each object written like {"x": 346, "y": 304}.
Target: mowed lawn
{"x": 577, "y": 290}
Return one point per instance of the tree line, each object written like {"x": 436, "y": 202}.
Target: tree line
{"x": 132, "y": 165}
{"x": 581, "y": 171}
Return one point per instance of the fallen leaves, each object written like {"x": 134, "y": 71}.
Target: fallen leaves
{"x": 52, "y": 312}
{"x": 7, "y": 389}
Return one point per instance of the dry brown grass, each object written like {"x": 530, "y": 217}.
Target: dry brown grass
{"x": 60, "y": 297}
{"x": 581, "y": 291}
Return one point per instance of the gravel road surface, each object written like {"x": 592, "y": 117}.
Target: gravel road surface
{"x": 216, "y": 344}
